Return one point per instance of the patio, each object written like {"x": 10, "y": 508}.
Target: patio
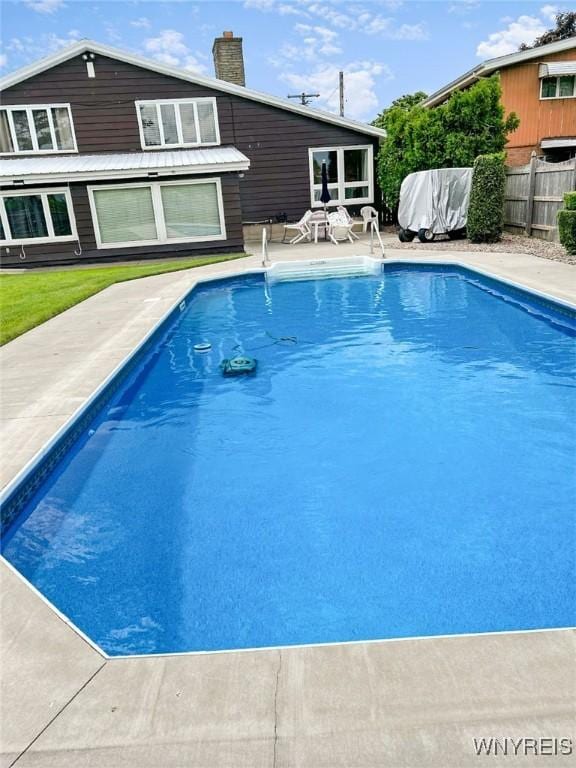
{"x": 412, "y": 703}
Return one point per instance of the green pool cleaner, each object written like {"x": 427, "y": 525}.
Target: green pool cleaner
{"x": 236, "y": 366}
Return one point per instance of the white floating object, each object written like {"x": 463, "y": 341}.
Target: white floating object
{"x": 202, "y": 346}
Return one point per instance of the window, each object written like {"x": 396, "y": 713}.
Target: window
{"x": 39, "y": 128}
{"x": 44, "y": 216}
{"x": 561, "y": 87}
{"x": 349, "y": 171}
{"x": 180, "y": 123}
{"x": 162, "y": 212}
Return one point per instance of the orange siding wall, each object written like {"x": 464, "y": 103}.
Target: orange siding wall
{"x": 539, "y": 119}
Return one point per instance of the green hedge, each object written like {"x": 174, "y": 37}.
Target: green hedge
{"x": 567, "y": 230}
{"x": 486, "y": 209}
{"x": 570, "y": 201}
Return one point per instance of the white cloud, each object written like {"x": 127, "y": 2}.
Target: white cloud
{"x": 352, "y": 18}
{"x": 54, "y": 42}
{"x": 170, "y": 48}
{"x": 26, "y": 48}
{"x": 463, "y": 7}
{"x": 112, "y": 33}
{"x": 549, "y": 12}
{"x": 44, "y": 6}
{"x": 3, "y": 59}
{"x": 141, "y": 23}
{"x": 360, "y": 78}
{"x": 523, "y": 30}
{"x": 315, "y": 43}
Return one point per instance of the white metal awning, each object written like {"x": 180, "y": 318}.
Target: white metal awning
{"x": 557, "y": 68}
{"x": 558, "y": 143}
{"x": 48, "y": 169}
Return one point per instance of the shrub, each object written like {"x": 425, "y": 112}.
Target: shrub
{"x": 567, "y": 229}
{"x": 486, "y": 209}
{"x": 570, "y": 201}
{"x": 468, "y": 124}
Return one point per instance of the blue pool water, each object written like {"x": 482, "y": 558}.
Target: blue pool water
{"x": 403, "y": 467}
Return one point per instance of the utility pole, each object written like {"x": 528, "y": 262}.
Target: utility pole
{"x": 341, "y": 87}
{"x": 305, "y": 98}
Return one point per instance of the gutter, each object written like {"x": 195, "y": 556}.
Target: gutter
{"x": 124, "y": 173}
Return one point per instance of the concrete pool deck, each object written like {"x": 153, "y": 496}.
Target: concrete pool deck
{"x": 397, "y": 703}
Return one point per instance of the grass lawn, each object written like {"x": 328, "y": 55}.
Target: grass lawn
{"x": 31, "y": 298}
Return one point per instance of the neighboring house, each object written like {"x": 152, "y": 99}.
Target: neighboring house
{"x": 540, "y": 86}
{"x": 105, "y": 155}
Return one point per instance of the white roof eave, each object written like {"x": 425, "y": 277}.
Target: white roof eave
{"x": 48, "y": 169}
{"x": 221, "y": 85}
{"x": 490, "y": 66}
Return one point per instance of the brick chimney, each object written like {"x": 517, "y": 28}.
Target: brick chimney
{"x": 229, "y": 59}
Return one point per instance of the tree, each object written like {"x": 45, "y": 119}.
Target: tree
{"x": 405, "y": 102}
{"x": 452, "y": 135}
{"x": 564, "y": 29}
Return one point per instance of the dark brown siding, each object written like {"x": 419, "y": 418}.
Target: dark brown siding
{"x": 63, "y": 253}
{"x": 275, "y": 140}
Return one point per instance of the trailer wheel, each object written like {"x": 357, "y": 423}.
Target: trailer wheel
{"x": 405, "y": 236}
{"x": 426, "y": 235}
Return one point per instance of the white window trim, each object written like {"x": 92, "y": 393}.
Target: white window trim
{"x": 43, "y": 193}
{"x": 176, "y": 102}
{"x": 342, "y": 185}
{"x": 162, "y": 238}
{"x": 35, "y": 149}
{"x": 557, "y": 77}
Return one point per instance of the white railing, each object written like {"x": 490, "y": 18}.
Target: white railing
{"x": 375, "y": 231}
{"x": 265, "y": 259}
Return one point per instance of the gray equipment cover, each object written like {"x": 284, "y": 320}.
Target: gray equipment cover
{"x": 435, "y": 200}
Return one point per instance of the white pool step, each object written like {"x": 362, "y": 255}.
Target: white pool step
{"x": 346, "y": 266}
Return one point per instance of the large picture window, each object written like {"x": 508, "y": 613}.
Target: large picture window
{"x": 178, "y": 123}
{"x": 163, "y": 212}
{"x": 43, "y": 216}
{"x": 40, "y": 128}
{"x": 349, "y": 172}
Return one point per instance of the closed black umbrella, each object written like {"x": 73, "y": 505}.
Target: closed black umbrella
{"x": 325, "y": 194}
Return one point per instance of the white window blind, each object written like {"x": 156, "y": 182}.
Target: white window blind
{"x": 125, "y": 214}
{"x": 159, "y": 212}
{"x": 188, "y": 119}
{"x": 191, "y": 210}
{"x": 178, "y": 123}
{"x": 206, "y": 122}
{"x": 41, "y": 128}
{"x": 168, "y": 116}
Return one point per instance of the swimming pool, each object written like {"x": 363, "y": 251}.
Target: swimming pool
{"x": 400, "y": 465}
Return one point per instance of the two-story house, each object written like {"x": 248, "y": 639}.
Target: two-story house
{"x": 539, "y": 85}
{"x": 105, "y": 155}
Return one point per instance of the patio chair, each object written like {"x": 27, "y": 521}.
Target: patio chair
{"x": 302, "y": 229}
{"x": 349, "y": 219}
{"x": 368, "y": 214}
{"x": 340, "y": 228}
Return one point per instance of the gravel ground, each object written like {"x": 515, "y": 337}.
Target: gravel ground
{"x": 509, "y": 244}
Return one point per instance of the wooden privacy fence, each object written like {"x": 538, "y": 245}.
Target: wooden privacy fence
{"x": 535, "y": 194}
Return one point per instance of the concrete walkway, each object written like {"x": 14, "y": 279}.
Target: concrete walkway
{"x": 398, "y": 703}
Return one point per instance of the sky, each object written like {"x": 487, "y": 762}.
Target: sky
{"x": 386, "y": 48}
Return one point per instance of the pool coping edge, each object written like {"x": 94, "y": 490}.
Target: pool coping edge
{"x": 100, "y": 391}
